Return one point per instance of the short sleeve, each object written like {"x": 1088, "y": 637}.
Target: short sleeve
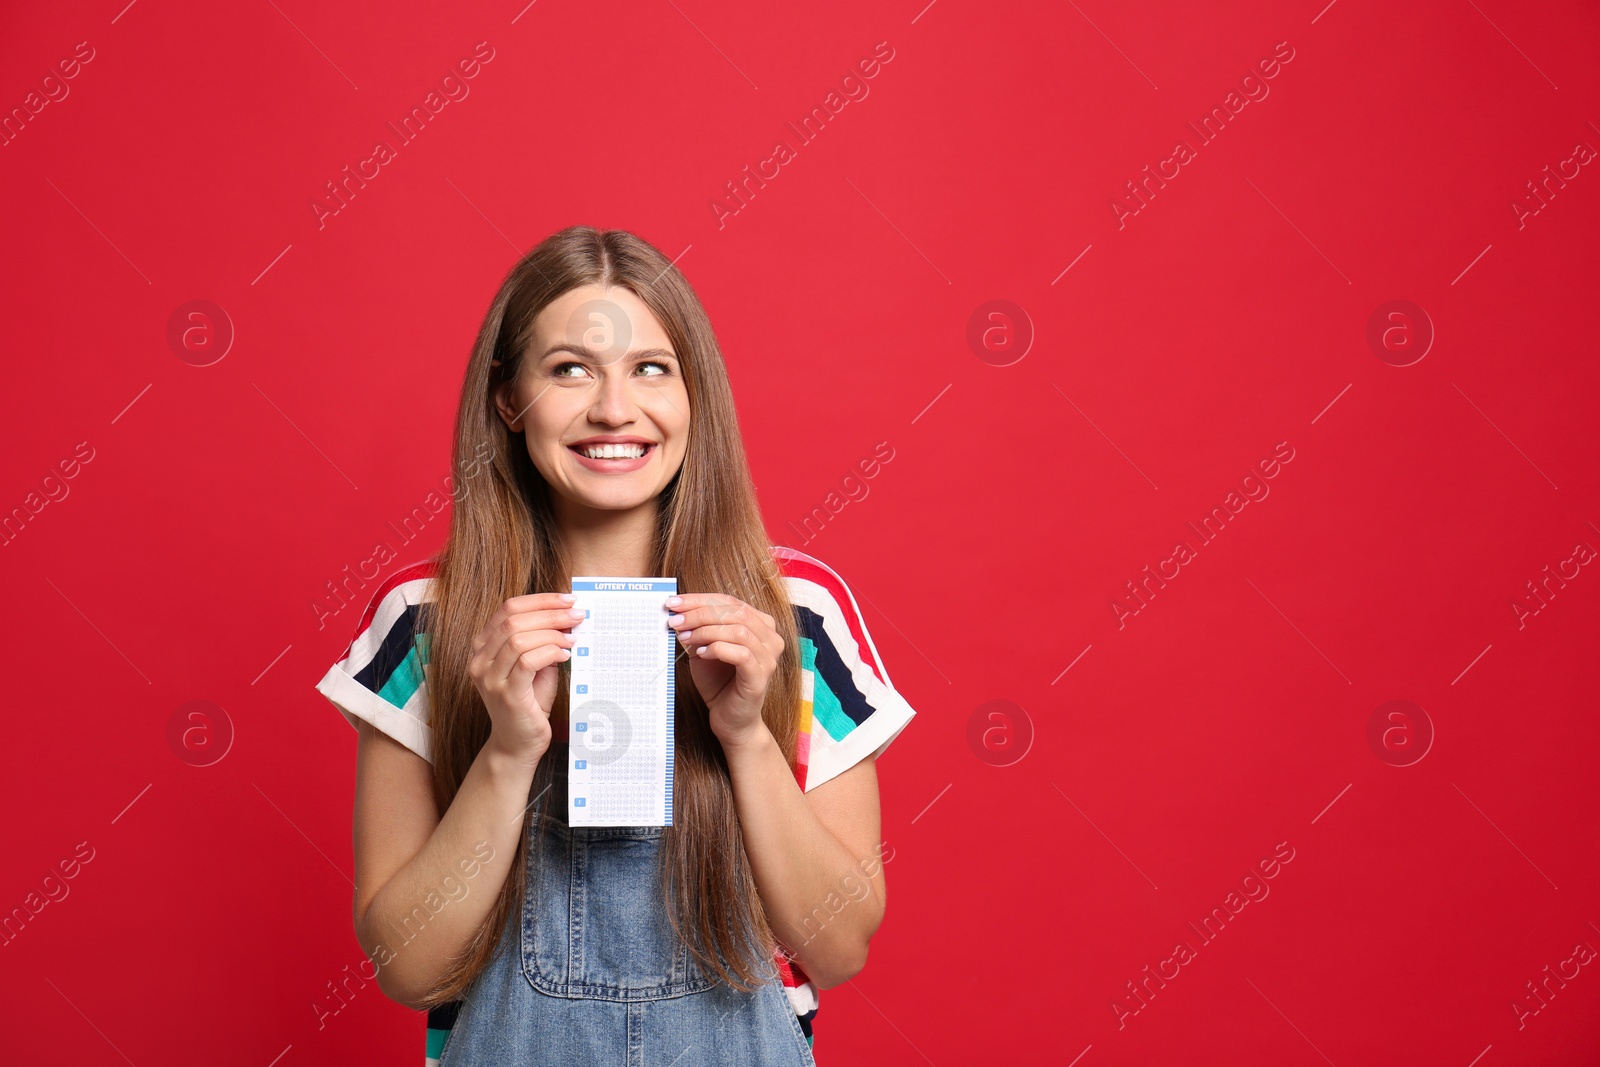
{"x": 849, "y": 708}
{"x": 381, "y": 678}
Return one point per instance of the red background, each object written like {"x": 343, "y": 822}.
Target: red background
{"x": 1228, "y": 315}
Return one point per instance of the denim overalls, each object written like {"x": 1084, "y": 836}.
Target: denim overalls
{"x": 594, "y": 975}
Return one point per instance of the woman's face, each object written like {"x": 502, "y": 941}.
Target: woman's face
{"x": 600, "y": 369}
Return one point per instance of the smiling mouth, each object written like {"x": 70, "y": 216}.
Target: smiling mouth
{"x": 612, "y": 452}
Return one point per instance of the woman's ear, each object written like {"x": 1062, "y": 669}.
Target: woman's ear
{"x": 504, "y": 397}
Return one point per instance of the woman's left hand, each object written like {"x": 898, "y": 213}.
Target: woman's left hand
{"x": 733, "y": 653}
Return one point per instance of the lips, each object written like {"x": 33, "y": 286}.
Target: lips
{"x": 611, "y": 439}
{"x": 613, "y": 466}
{"x": 581, "y": 446}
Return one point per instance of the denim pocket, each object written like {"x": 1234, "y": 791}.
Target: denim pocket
{"x": 594, "y": 924}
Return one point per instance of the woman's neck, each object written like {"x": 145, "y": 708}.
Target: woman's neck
{"x": 611, "y": 543}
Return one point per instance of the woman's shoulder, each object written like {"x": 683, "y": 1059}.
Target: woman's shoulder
{"x": 794, "y": 563}
{"x": 382, "y": 677}
{"x": 850, "y": 709}
{"x": 806, "y": 574}
{"x": 826, "y": 608}
{"x": 401, "y": 594}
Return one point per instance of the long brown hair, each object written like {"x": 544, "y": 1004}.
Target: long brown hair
{"x": 504, "y": 541}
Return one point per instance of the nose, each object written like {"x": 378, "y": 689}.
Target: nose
{"x": 613, "y": 402}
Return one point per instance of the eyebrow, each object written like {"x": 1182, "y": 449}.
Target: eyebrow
{"x": 594, "y": 357}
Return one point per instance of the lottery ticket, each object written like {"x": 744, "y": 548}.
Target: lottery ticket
{"x": 620, "y": 703}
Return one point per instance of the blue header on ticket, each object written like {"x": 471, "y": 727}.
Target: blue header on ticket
{"x": 625, "y": 585}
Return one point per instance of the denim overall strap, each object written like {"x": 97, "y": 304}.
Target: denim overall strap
{"x": 593, "y": 974}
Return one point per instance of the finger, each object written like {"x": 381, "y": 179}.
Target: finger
{"x": 534, "y": 601}
{"x": 696, "y": 600}
{"x": 517, "y": 604}
{"x": 741, "y": 657}
{"x": 542, "y": 619}
{"x": 531, "y": 663}
{"x": 728, "y": 633}
{"x": 727, "y": 610}
{"x": 758, "y": 624}
{"x": 505, "y": 623}
{"x": 520, "y": 644}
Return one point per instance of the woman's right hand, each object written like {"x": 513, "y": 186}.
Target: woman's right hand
{"x": 516, "y": 665}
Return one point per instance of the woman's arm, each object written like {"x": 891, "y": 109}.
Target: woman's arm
{"x": 425, "y": 884}
{"x": 816, "y": 856}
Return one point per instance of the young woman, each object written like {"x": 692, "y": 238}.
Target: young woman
{"x": 596, "y": 435}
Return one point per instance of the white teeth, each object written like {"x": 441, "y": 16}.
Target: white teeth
{"x": 613, "y": 451}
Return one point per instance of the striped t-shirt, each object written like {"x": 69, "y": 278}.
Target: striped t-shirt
{"x": 849, "y": 709}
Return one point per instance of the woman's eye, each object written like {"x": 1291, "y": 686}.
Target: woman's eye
{"x": 559, "y": 370}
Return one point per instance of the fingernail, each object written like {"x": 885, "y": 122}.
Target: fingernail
{"x": 568, "y": 597}
{"x": 576, "y": 613}
{"x": 674, "y": 601}
{"x": 673, "y": 620}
